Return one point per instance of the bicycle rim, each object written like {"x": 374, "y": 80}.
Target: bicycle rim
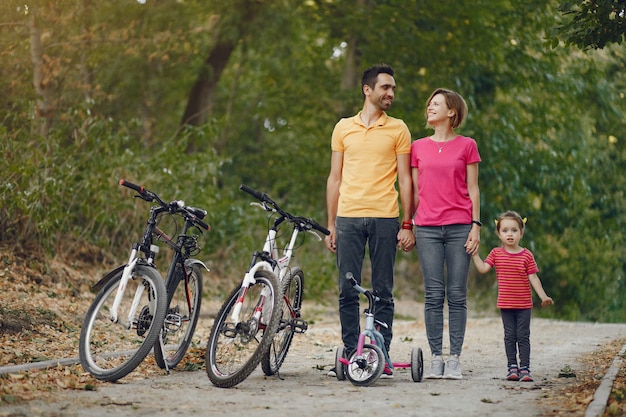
{"x": 293, "y": 288}
{"x": 180, "y": 320}
{"x": 373, "y": 367}
{"x": 109, "y": 351}
{"x": 235, "y": 349}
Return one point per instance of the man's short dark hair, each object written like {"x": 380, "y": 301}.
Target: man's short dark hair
{"x": 370, "y": 75}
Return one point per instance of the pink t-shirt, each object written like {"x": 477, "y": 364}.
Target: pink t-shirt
{"x": 512, "y": 271}
{"x": 442, "y": 180}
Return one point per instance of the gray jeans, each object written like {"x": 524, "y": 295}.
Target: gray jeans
{"x": 445, "y": 267}
{"x": 380, "y": 235}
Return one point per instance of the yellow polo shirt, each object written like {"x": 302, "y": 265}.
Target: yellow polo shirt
{"x": 370, "y": 165}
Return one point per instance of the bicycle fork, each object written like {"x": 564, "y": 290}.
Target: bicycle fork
{"x": 127, "y": 274}
{"x": 249, "y": 280}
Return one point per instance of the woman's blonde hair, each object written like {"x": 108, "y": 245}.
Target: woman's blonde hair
{"x": 454, "y": 101}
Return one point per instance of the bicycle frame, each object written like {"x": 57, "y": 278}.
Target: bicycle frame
{"x": 150, "y": 250}
{"x": 178, "y": 258}
{"x": 370, "y": 331}
{"x": 268, "y": 259}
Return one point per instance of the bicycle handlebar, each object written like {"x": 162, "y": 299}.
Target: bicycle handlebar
{"x": 194, "y": 214}
{"x": 371, "y": 296}
{"x": 264, "y": 198}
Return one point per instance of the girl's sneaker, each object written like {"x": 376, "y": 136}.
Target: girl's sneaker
{"x": 525, "y": 376}
{"x": 513, "y": 374}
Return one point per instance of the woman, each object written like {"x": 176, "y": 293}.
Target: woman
{"x": 444, "y": 170}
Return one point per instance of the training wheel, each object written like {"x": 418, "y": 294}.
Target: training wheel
{"x": 340, "y": 367}
{"x": 417, "y": 364}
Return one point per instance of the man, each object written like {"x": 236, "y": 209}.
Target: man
{"x": 369, "y": 152}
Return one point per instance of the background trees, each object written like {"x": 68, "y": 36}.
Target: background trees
{"x": 194, "y": 98}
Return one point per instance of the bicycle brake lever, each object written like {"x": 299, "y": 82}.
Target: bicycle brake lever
{"x": 317, "y": 235}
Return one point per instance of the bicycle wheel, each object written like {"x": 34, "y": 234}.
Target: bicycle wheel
{"x": 109, "y": 351}
{"x": 181, "y": 318}
{"x": 417, "y": 364}
{"x": 365, "y": 371}
{"x": 290, "y": 322}
{"x": 234, "y": 348}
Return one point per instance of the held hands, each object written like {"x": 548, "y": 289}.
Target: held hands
{"x": 472, "y": 242}
{"x": 406, "y": 239}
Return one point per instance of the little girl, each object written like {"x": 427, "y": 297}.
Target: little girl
{"x": 516, "y": 271}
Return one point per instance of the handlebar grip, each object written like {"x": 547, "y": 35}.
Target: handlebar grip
{"x": 256, "y": 194}
{"x": 319, "y": 227}
{"x": 132, "y": 186}
{"x": 203, "y": 224}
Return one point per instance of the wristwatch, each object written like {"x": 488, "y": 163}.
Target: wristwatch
{"x": 477, "y": 222}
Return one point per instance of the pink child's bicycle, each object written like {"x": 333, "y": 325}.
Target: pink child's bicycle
{"x": 367, "y": 363}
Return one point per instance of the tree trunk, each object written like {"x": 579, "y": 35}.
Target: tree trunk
{"x": 200, "y": 101}
{"x": 42, "y": 83}
{"x": 202, "y": 95}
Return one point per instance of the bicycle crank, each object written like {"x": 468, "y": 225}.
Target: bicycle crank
{"x": 144, "y": 321}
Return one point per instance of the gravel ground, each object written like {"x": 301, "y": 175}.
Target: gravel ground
{"x": 303, "y": 389}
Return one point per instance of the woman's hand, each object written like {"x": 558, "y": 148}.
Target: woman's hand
{"x": 473, "y": 240}
{"x": 406, "y": 239}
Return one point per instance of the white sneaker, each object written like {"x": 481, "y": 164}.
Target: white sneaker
{"x": 453, "y": 368}
{"x": 436, "y": 368}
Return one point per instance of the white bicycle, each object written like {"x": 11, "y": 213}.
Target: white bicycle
{"x": 260, "y": 317}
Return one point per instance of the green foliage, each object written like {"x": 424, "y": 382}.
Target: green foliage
{"x": 548, "y": 121}
{"x": 591, "y": 24}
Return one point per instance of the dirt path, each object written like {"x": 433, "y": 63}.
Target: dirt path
{"x": 305, "y": 390}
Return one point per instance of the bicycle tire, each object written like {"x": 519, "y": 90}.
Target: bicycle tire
{"x": 235, "y": 350}
{"x": 292, "y": 292}
{"x": 181, "y": 318}
{"x": 366, "y": 374}
{"x": 109, "y": 351}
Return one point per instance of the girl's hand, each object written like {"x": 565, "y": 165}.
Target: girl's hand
{"x": 546, "y": 302}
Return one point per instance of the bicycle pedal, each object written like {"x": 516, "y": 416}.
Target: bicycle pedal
{"x": 299, "y": 326}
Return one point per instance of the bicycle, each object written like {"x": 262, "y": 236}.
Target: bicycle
{"x": 135, "y": 309}
{"x": 254, "y": 325}
{"x": 367, "y": 363}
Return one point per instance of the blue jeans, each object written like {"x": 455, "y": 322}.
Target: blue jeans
{"x": 444, "y": 264}
{"x": 381, "y": 237}
{"x": 517, "y": 335}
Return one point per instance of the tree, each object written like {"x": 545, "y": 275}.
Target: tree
{"x": 230, "y": 23}
{"x": 591, "y": 23}
{"x": 267, "y": 84}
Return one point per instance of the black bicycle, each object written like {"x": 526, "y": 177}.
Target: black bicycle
{"x": 135, "y": 309}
